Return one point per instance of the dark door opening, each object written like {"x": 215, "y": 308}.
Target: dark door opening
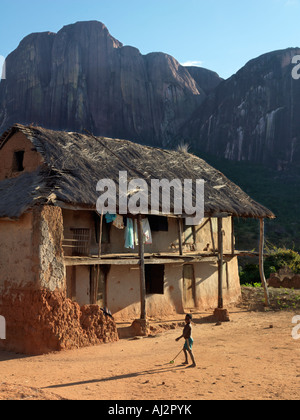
{"x": 154, "y": 275}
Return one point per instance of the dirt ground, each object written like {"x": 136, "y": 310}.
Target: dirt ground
{"x": 251, "y": 357}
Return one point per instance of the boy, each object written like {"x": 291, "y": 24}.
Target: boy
{"x": 188, "y": 345}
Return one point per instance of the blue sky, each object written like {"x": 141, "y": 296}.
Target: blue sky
{"x": 221, "y": 35}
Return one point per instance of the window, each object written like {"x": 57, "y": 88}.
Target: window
{"x": 82, "y": 241}
{"x": 98, "y": 284}
{"x": 158, "y": 223}
{"x": 154, "y": 274}
{"x": 18, "y": 160}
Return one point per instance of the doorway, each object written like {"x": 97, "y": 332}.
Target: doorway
{"x": 86, "y": 285}
{"x": 98, "y": 285}
{"x": 78, "y": 284}
{"x": 189, "y": 286}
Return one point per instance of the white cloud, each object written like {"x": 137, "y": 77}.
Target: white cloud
{"x": 192, "y": 64}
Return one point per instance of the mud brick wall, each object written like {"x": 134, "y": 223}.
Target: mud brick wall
{"x": 40, "y": 321}
{"x": 288, "y": 282}
{"x": 97, "y": 326}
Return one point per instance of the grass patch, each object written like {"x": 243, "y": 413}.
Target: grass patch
{"x": 280, "y": 299}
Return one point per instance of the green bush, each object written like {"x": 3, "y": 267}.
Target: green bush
{"x": 278, "y": 258}
{"x": 250, "y": 274}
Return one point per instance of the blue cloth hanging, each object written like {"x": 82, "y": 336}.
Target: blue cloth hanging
{"x": 110, "y": 217}
{"x": 129, "y": 234}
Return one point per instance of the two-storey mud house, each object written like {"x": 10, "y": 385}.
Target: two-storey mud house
{"x": 60, "y": 260}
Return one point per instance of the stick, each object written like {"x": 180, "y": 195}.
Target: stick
{"x": 172, "y": 361}
{"x": 261, "y": 262}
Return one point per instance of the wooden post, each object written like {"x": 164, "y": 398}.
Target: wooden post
{"x": 232, "y": 236}
{"x": 212, "y": 235}
{"x": 261, "y": 262}
{"x": 220, "y": 313}
{"x": 220, "y": 263}
{"x": 179, "y": 223}
{"x": 194, "y": 237}
{"x": 96, "y": 273}
{"x": 142, "y": 267}
{"x": 100, "y": 235}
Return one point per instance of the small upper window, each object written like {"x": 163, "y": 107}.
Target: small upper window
{"x": 18, "y": 161}
{"x": 158, "y": 223}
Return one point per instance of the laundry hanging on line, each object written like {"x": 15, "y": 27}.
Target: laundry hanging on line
{"x": 110, "y": 217}
{"x": 119, "y": 222}
{"x": 131, "y": 233}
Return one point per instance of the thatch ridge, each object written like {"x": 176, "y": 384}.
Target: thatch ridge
{"x": 77, "y": 162}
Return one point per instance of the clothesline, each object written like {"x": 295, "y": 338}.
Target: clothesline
{"x": 131, "y": 229}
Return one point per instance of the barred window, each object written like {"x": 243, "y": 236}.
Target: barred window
{"x": 82, "y": 241}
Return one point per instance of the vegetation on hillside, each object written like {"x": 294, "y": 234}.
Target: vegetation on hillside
{"x": 278, "y": 191}
{"x": 278, "y": 258}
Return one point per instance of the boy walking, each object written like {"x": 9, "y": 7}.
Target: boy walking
{"x": 188, "y": 345}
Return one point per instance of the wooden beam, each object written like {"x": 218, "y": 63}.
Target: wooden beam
{"x": 70, "y": 262}
{"x": 124, "y": 259}
{"x": 142, "y": 267}
{"x": 261, "y": 262}
{"x": 73, "y": 262}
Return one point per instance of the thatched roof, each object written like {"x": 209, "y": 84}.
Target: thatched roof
{"x": 74, "y": 163}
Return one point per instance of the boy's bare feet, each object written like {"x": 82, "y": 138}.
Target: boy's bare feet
{"x": 192, "y": 365}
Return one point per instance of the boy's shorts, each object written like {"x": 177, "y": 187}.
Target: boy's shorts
{"x": 191, "y": 341}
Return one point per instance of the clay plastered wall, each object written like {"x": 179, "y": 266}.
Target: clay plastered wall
{"x": 48, "y": 235}
{"x": 161, "y": 241}
{"x": 16, "y": 253}
{"x": 171, "y": 300}
{"x": 206, "y": 275}
{"x": 18, "y": 142}
{"x": 168, "y": 241}
{"x": 31, "y": 251}
{"x": 123, "y": 289}
{"x": 204, "y": 237}
{"x": 123, "y": 293}
{"x": 39, "y": 321}
{"x": 39, "y": 317}
{"x": 287, "y": 282}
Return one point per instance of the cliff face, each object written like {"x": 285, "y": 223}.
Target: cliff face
{"x": 208, "y": 80}
{"x": 82, "y": 77}
{"x": 254, "y": 115}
